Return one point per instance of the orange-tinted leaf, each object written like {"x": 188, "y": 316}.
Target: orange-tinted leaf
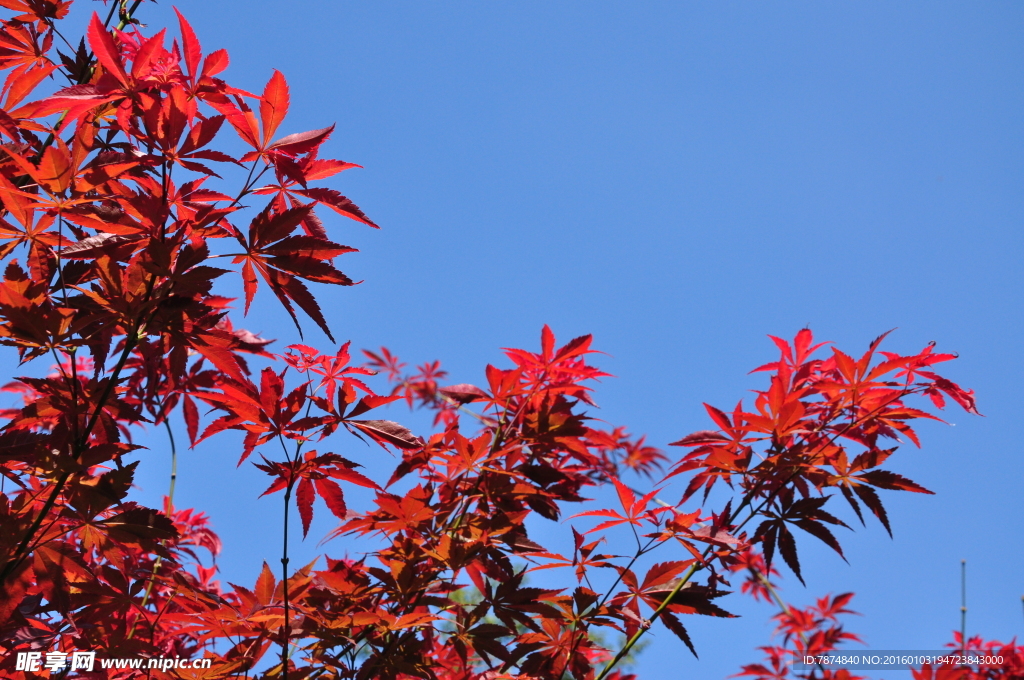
{"x": 190, "y": 44}
{"x": 106, "y": 51}
{"x": 265, "y": 585}
{"x": 273, "y": 105}
{"x": 55, "y": 169}
{"x": 25, "y": 83}
{"x": 215, "y": 62}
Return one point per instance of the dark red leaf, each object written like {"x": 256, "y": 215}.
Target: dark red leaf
{"x": 302, "y": 142}
{"x": 463, "y": 393}
{"x": 333, "y": 496}
{"x": 388, "y": 431}
{"x": 304, "y": 496}
{"x": 673, "y": 623}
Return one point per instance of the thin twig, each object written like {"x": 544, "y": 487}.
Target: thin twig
{"x": 963, "y": 606}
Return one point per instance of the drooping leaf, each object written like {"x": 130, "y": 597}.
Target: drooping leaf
{"x": 673, "y": 623}
{"x": 304, "y": 496}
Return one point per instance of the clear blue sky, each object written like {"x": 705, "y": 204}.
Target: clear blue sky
{"x": 679, "y": 179}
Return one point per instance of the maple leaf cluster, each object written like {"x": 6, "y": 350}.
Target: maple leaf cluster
{"x": 114, "y": 209}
